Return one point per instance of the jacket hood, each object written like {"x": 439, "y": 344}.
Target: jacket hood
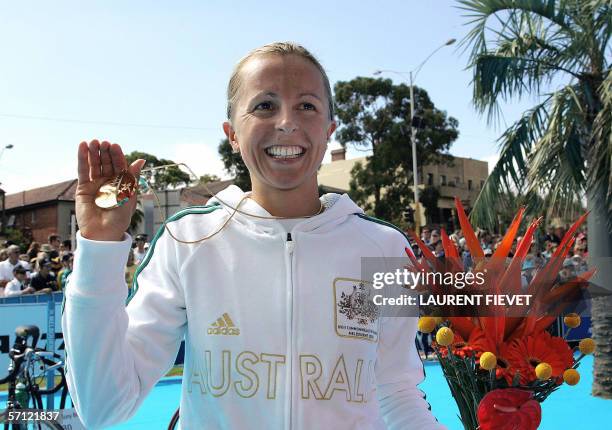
{"x": 337, "y": 208}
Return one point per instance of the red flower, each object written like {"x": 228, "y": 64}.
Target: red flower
{"x": 509, "y": 409}
{"x": 525, "y": 354}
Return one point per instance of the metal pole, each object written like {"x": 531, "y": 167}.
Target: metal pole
{"x": 417, "y": 212}
{"x": 50, "y": 346}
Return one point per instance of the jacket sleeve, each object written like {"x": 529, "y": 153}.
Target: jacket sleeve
{"x": 399, "y": 369}
{"x": 115, "y": 354}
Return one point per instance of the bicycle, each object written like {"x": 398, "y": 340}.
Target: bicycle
{"x": 174, "y": 420}
{"x": 28, "y": 367}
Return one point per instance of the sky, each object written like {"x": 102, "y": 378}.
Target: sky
{"x": 152, "y": 75}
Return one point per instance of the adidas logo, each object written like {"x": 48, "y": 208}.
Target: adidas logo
{"x": 224, "y": 326}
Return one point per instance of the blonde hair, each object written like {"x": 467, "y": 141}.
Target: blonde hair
{"x": 277, "y": 48}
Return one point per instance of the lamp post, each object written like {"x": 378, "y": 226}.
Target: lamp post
{"x": 2, "y": 193}
{"x": 412, "y": 77}
{"x": 9, "y": 146}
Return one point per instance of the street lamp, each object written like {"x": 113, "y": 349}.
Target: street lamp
{"x": 9, "y": 146}
{"x": 2, "y": 193}
{"x": 413, "y": 74}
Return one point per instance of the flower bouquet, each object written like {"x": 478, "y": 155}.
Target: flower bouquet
{"x": 500, "y": 362}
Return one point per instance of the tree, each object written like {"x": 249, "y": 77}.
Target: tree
{"x": 373, "y": 114}
{"x": 158, "y": 179}
{"x": 234, "y": 165}
{"x": 163, "y": 178}
{"x": 209, "y": 178}
{"x": 561, "y": 149}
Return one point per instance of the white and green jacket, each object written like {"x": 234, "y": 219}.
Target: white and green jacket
{"x": 267, "y": 342}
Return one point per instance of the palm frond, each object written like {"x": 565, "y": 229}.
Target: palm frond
{"x": 478, "y": 13}
{"x": 600, "y": 156}
{"x": 509, "y": 174}
{"x": 557, "y": 164}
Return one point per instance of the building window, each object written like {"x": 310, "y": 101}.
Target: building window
{"x": 442, "y": 179}
{"x": 457, "y": 181}
{"x": 481, "y": 184}
{"x": 33, "y": 217}
{"x": 469, "y": 184}
{"x": 430, "y": 179}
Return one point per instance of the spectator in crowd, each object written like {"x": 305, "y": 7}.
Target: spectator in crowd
{"x": 426, "y": 235}
{"x": 468, "y": 263}
{"x": 65, "y": 272}
{"x": 33, "y": 250}
{"x": 25, "y": 262}
{"x": 17, "y": 286}
{"x": 580, "y": 264}
{"x": 550, "y": 236}
{"x": 54, "y": 242}
{"x": 527, "y": 272}
{"x": 559, "y": 233}
{"x": 65, "y": 247}
{"x": 46, "y": 248}
{"x": 7, "y": 266}
{"x": 43, "y": 281}
{"x": 438, "y": 249}
{"x": 3, "y": 254}
{"x": 434, "y": 237}
{"x": 141, "y": 248}
{"x": 130, "y": 269}
{"x": 548, "y": 249}
{"x": 567, "y": 271}
{"x": 56, "y": 263}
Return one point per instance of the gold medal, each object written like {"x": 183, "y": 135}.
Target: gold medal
{"x": 117, "y": 191}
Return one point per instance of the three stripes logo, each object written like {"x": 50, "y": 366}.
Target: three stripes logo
{"x": 224, "y": 326}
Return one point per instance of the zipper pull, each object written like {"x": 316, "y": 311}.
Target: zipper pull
{"x": 289, "y": 244}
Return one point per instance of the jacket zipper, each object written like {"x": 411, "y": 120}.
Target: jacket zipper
{"x": 289, "y": 245}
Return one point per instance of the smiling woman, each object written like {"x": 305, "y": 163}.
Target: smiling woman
{"x": 280, "y": 119}
{"x": 279, "y": 329}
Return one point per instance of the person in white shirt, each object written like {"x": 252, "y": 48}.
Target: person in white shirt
{"x": 17, "y": 286}
{"x": 7, "y": 266}
{"x": 141, "y": 248}
{"x": 279, "y": 332}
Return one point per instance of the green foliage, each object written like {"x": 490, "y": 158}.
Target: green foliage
{"x": 234, "y": 165}
{"x": 562, "y": 147}
{"x": 209, "y": 178}
{"x": 374, "y": 114}
{"x": 159, "y": 180}
{"x": 162, "y": 179}
{"x": 17, "y": 237}
{"x": 137, "y": 218}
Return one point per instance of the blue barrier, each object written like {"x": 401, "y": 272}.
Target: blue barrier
{"x": 56, "y": 297}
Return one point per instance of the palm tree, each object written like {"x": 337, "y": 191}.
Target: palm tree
{"x": 556, "y": 52}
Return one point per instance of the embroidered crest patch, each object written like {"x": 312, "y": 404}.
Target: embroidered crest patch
{"x": 356, "y": 315}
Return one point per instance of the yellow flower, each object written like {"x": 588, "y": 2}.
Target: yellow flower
{"x": 427, "y": 324}
{"x": 543, "y": 371}
{"x": 587, "y": 346}
{"x": 445, "y": 336}
{"x": 488, "y": 361}
{"x": 571, "y": 376}
{"x": 572, "y": 320}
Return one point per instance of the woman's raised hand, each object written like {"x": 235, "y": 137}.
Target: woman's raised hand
{"x": 97, "y": 163}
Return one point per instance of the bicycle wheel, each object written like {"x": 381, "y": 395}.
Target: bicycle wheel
{"x": 39, "y": 369}
{"x": 174, "y": 421}
{"x": 29, "y": 425}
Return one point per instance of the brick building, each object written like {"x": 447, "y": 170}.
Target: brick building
{"x": 42, "y": 211}
{"x": 463, "y": 178}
